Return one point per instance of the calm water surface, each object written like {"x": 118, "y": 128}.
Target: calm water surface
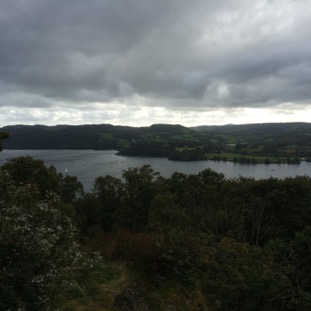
{"x": 89, "y": 164}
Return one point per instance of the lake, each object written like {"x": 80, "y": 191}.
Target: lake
{"x": 89, "y": 164}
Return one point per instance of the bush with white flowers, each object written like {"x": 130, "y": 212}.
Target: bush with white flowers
{"x": 38, "y": 249}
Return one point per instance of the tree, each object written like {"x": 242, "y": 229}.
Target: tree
{"x": 295, "y": 257}
{"x": 3, "y": 136}
{"x": 140, "y": 188}
{"x": 37, "y": 246}
{"x": 166, "y": 214}
{"x": 33, "y": 172}
{"x": 71, "y": 188}
{"x": 237, "y": 276}
{"x": 109, "y": 192}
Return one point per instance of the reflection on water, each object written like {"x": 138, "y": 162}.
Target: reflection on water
{"x": 89, "y": 164}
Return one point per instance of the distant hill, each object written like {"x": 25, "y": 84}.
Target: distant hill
{"x": 176, "y": 142}
{"x": 298, "y": 135}
{"x": 256, "y": 128}
{"x": 99, "y": 136}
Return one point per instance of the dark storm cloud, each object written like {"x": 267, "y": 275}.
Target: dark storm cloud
{"x": 198, "y": 53}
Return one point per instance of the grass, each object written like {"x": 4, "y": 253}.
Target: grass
{"x": 99, "y": 292}
{"x": 106, "y": 136}
{"x": 127, "y": 266}
{"x": 94, "y": 291}
{"x": 172, "y": 296}
{"x": 259, "y": 159}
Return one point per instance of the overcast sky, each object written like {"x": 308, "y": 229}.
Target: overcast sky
{"x": 139, "y": 62}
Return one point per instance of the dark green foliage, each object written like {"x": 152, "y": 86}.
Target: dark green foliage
{"x": 39, "y": 253}
{"x": 116, "y": 203}
{"x": 33, "y": 172}
{"x": 89, "y": 214}
{"x": 237, "y": 276}
{"x": 102, "y": 209}
{"x": 196, "y": 154}
{"x": 145, "y": 148}
{"x": 37, "y": 246}
{"x": 221, "y": 235}
{"x": 71, "y": 188}
{"x": 140, "y": 187}
{"x": 3, "y": 136}
{"x": 109, "y": 192}
{"x": 165, "y": 213}
{"x": 26, "y": 170}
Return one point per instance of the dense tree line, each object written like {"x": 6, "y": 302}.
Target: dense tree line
{"x": 243, "y": 244}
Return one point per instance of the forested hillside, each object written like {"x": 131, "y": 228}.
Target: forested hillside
{"x": 253, "y": 143}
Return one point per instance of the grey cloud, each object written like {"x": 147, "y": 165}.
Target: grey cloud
{"x": 207, "y": 53}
